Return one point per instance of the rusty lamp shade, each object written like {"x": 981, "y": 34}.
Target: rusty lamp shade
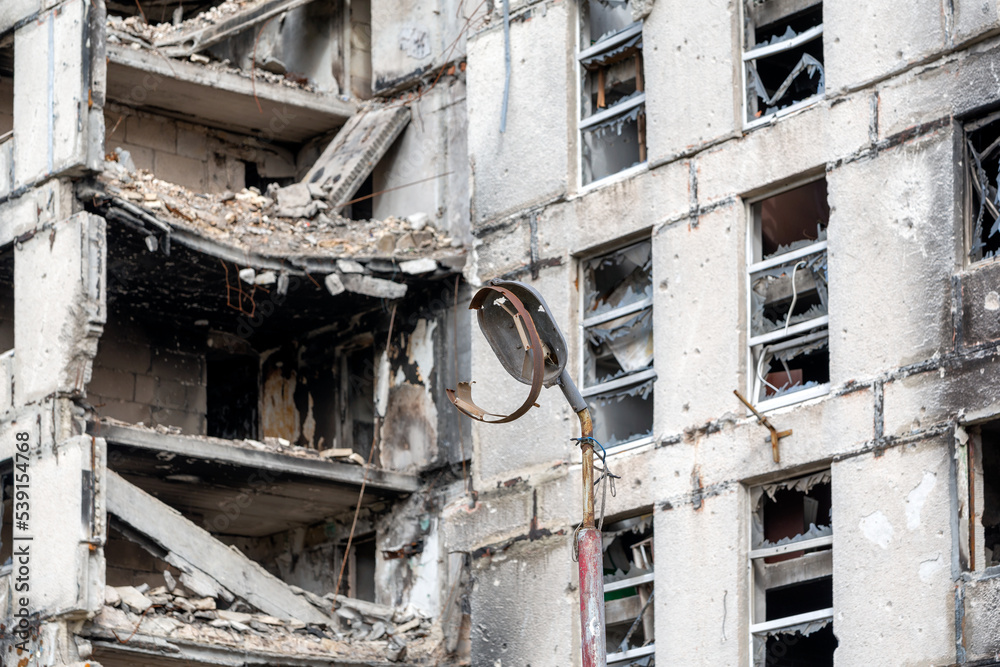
{"x": 505, "y": 335}
{"x": 519, "y": 327}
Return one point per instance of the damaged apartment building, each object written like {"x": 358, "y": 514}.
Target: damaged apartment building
{"x": 238, "y": 241}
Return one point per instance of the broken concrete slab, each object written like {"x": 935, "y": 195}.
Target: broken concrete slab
{"x": 175, "y": 534}
{"x": 221, "y": 99}
{"x": 349, "y": 266}
{"x": 418, "y": 266}
{"x": 334, "y": 285}
{"x": 358, "y": 147}
{"x": 294, "y": 196}
{"x": 371, "y": 286}
{"x": 111, "y": 596}
{"x": 133, "y": 598}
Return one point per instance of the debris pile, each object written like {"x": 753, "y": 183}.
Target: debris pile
{"x": 167, "y": 617}
{"x": 281, "y": 225}
{"x": 138, "y": 27}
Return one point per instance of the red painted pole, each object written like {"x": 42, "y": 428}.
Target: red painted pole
{"x": 591, "y": 560}
{"x": 590, "y": 556}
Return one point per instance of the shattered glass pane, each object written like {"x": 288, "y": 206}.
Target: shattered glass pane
{"x": 781, "y": 79}
{"x": 611, "y": 146}
{"x": 618, "y": 279}
{"x": 982, "y": 172}
{"x": 805, "y": 645}
{"x": 618, "y": 79}
{"x": 601, "y": 19}
{"x": 618, "y": 347}
{"x": 622, "y": 415}
{"x": 777, "y": 302}
{"x": 790, "y": 514}
{"x": 792, "y": 369}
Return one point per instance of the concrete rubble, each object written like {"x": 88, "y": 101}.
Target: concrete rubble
{"x": 166, "y": 620}
{"x": 279, "y": 226}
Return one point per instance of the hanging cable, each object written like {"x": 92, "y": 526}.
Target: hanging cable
{"x": 795, "y": 295}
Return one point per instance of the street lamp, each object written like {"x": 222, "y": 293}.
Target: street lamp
{"x": 519, "y": 327}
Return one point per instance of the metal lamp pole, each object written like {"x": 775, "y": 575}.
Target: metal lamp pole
{"x": 519, "y": 327}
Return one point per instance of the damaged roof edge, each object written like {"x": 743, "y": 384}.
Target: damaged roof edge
{"x": 219, "y": 450}
{"x": 293, "y": 264}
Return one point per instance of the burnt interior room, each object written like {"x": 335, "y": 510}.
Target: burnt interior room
{"x": 196, "y": 304}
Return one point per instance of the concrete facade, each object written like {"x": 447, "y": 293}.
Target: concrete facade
{"x": 193, "y": 328}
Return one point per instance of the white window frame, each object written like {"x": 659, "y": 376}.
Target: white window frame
{"x": 752, "y": 54}
{"x": 763, "y": 627}
{"x": 620, "y": 109}
{"x": 649, "y": 577}
{"x": 630, "y": 380}
{"x": 756, "y": 344}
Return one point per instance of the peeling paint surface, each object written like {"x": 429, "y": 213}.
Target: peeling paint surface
{"x": 916, "y": 498}
{"x": 877, "y": 529}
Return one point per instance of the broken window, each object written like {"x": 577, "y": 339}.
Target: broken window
{"x": 791, "y": 570}
{"x": 979, "y": 472}
{"x": 783, "y": 55}
{"x": 982, "y": 201}
{"x": 628, "y": 592}
{"x": 6, "y": 114}
{"x": 618, "y": 369}
{"x": 788, "y": 277}
{"x": 612, "y": 104}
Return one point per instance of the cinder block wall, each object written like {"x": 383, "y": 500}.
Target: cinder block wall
{"x": 137, "y": 381}
{"x": 174, "y": 151}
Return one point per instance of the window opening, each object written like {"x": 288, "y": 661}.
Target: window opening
{"x": 982, "y": 171}
{"x": 628, "y": 592}
{"x": 783, "y": 55}
{"x": 791, "y": 571}
{"x": 979, "y": 469}
{"x": 612, "y": 104}
{"x": 618, "y": 372}
{"x": 233, "y": 396}
{"x": 788, "y": 276}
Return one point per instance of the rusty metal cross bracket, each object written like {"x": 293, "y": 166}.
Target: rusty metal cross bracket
{"x": 776, "y": 435}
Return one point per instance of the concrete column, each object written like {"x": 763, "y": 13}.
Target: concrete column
{"x": 59, "y": 307}
{"x": 58, "y": 89}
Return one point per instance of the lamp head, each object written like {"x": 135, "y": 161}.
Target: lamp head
{"x": 508, "y": 335}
